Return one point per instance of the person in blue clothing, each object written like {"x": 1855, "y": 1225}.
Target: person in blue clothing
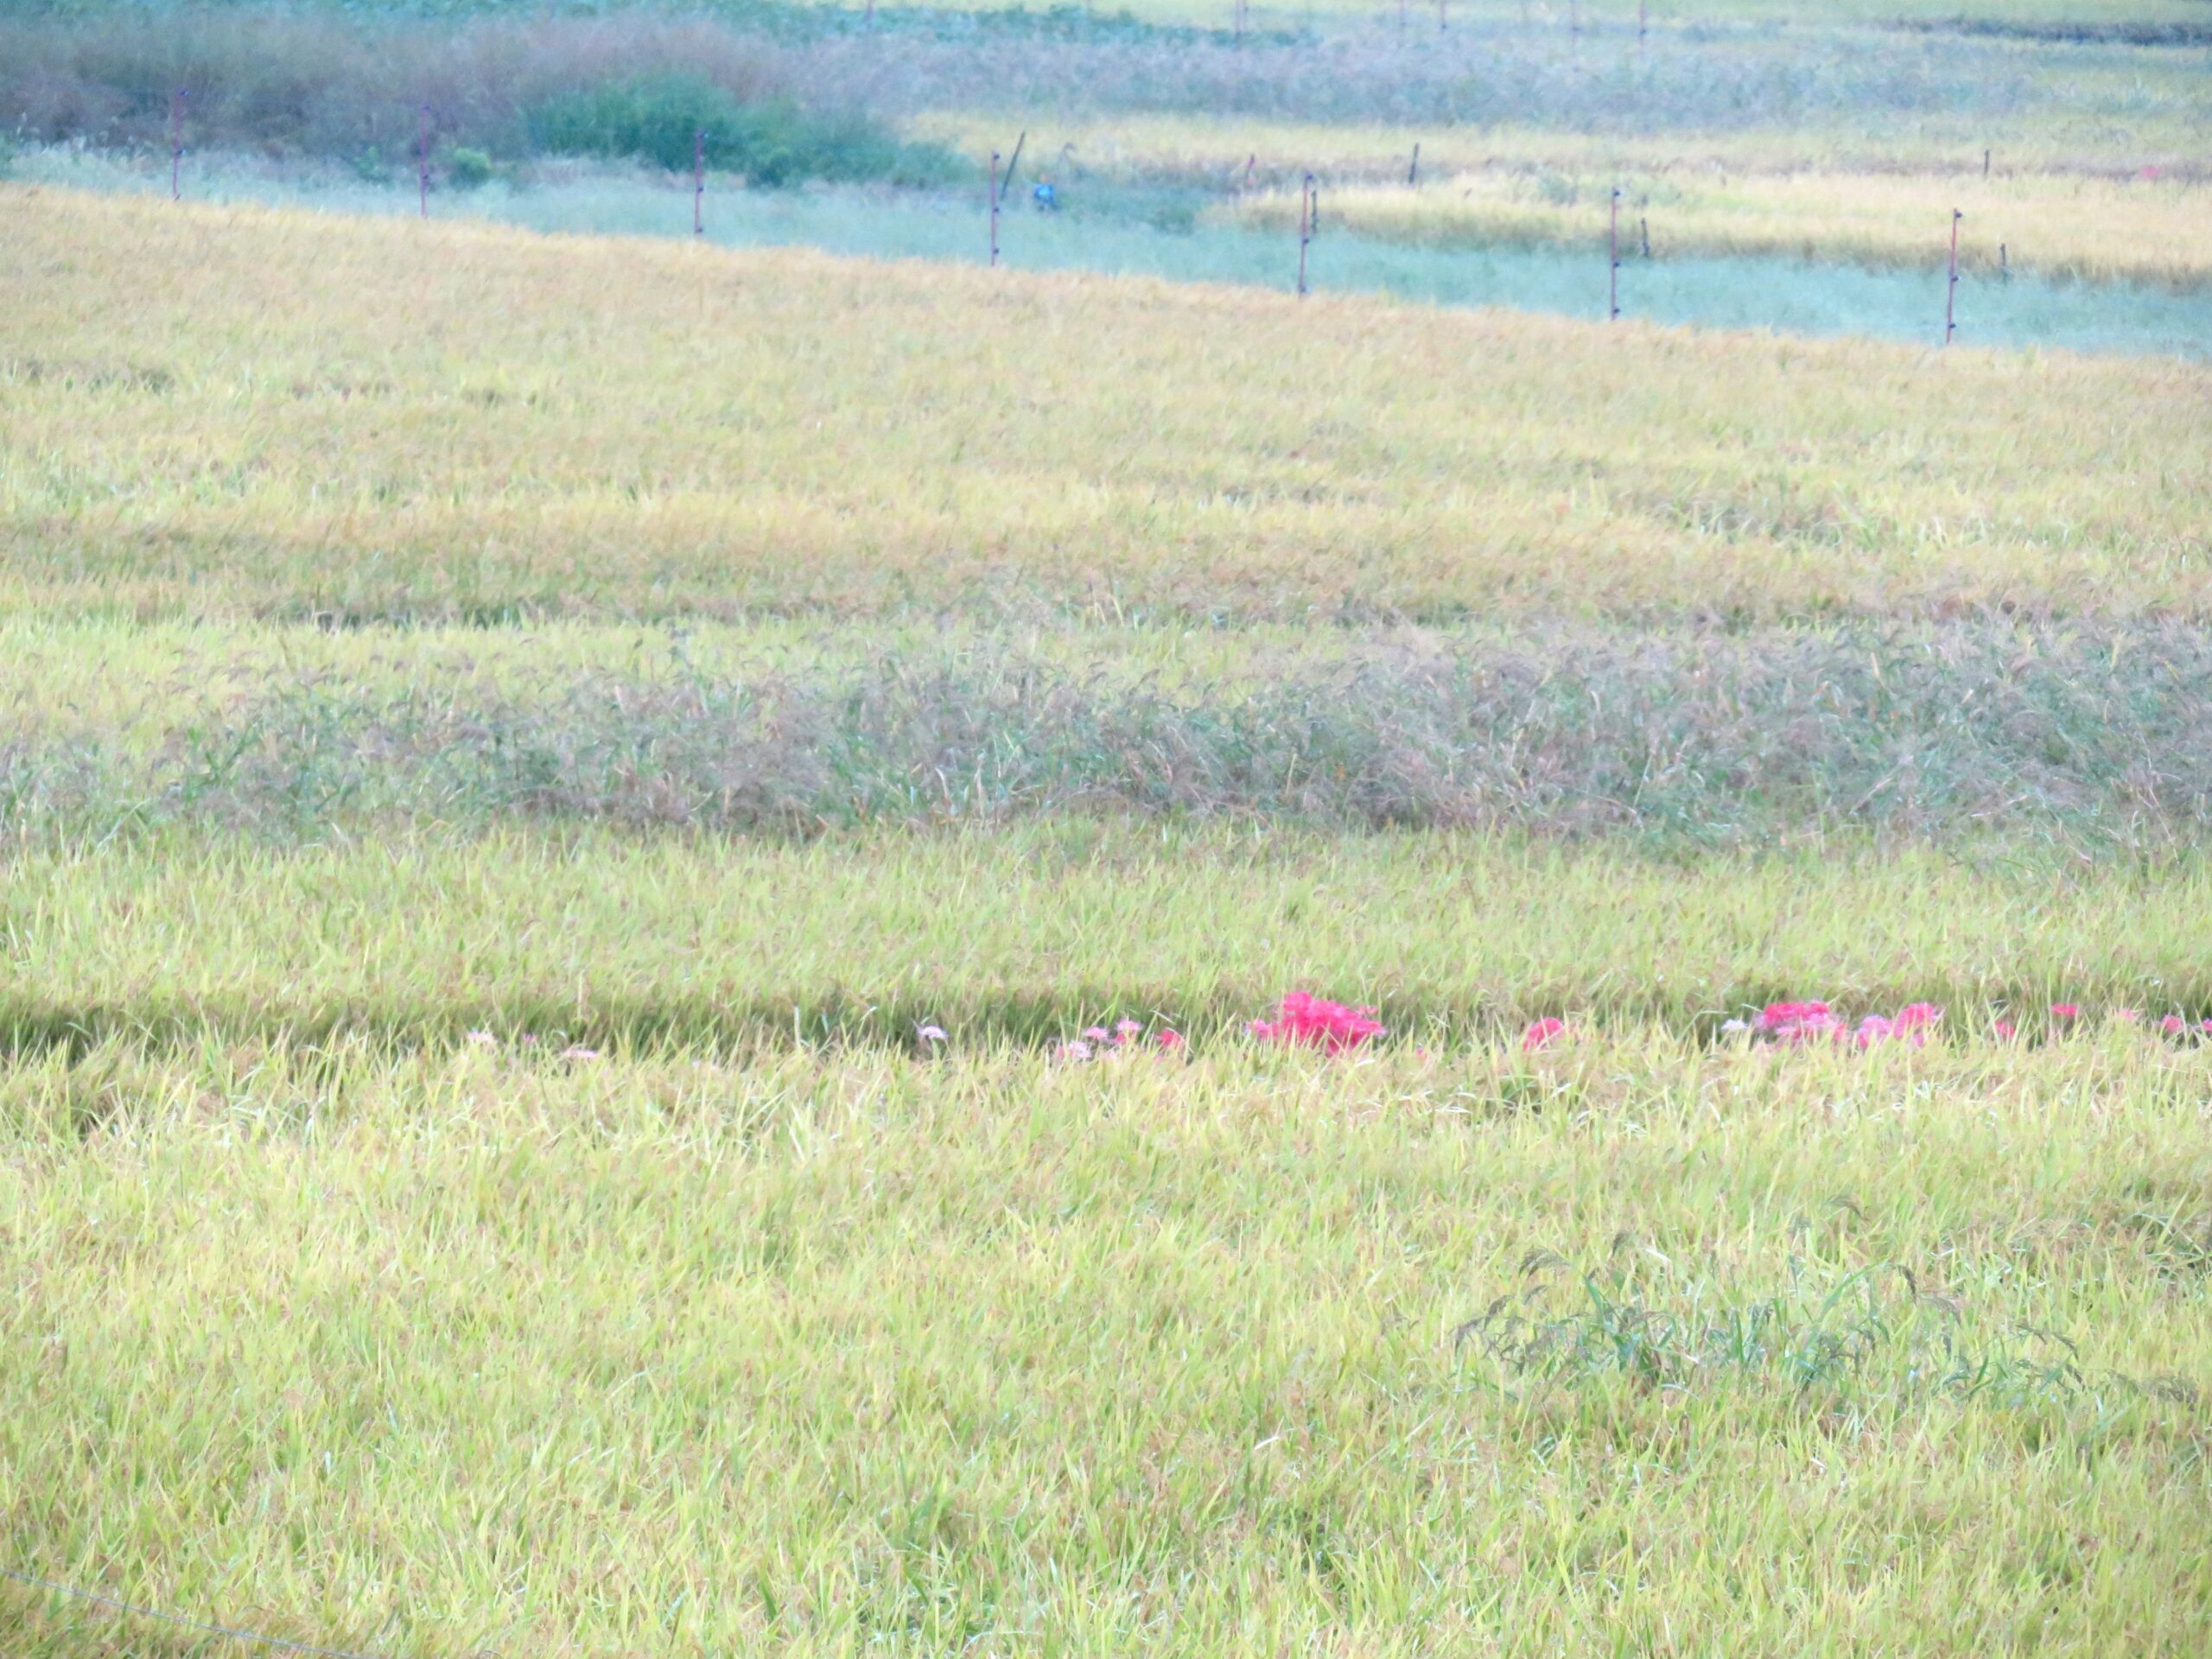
{"x": 1045, "y": 197}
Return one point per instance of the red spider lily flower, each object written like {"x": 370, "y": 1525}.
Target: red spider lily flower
{"x": 2173, "y": 1024}
{"x": 2005, "y": 1029}
{"x": 1543, "y": 1033}
{"x": 2065, "y": 1013}
{"x": 1315, "y": 1022}
{"x": 1170, "y": 1040}
{"x": 1910, "y": 1024}
{"x": 1799, "y": 1022}
{"x": 2128, "y": 1016}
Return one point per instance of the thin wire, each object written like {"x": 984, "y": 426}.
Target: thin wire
{"x": 172, "y": 1618}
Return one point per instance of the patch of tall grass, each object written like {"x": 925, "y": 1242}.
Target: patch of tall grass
{"x": 2082, "y": 737}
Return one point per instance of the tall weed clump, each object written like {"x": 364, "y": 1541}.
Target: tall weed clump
{"x": 657, "y": 119}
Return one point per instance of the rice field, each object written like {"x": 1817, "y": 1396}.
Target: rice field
{"x": 714, "y": 949}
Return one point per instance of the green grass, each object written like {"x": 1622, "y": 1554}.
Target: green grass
{"x": 840, "y": 1352}
{"x": 1028, "y": 934}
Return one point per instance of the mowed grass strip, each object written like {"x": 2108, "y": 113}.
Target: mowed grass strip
{"x": 1031, "y": 934}
{"x": 429, "y": 1355}
{"x": 213, "y": 412}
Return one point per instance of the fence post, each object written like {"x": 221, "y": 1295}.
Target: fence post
{"x": 177, "y": 143}
{"x": 1613, "y": 252}
{"x": 699, "y": 183}
{"x": 422, "y": 159}
{"x": 1412, "y": 173}
{"x": 1951, "y": 294}
{"x": 995, "y": 210}
{"x": 1644, "y": 236}
{"x": 1306, "y": 217}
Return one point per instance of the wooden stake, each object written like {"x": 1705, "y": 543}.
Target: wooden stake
{"x": 177, "y": 143}
{"x": 1951, "y": 294}
{"x": 995, "y": 210}
{"x": 1412, "y": 173}
{"x": 422, "y": 159}
{"x": 1306, "y": 217}
{"x": 699, "y": 183}
{"x": 1613, "y": 251}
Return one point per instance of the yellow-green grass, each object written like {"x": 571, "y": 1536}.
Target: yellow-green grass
{"x": 135, "y": 685}
{"x": 1036, "y": 933}
{"x": 439, "y": 1353}
{"x": 213, "y": 412}
{"x": 2096, "y": 230}
{"x": 2056, "y": 137}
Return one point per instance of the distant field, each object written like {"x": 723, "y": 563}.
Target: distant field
{"x": 2139, "y": 230}
{"x": 239, "y": 413}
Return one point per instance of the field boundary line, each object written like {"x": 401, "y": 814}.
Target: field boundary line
{"x": 284, "y": 1643}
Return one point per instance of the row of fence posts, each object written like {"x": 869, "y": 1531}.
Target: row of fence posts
{"x": 1309, "y": 207}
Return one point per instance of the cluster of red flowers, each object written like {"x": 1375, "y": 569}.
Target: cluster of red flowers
{"x": 1816, "y": 1022}
{"x": 1315, "y": 1022}
{"x": 1307, "y": 1021}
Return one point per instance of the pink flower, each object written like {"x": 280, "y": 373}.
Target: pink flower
{"x": 1125, "y": 1029}
{"x": 1315, "y": 1022}
{"x": 1873, "y": 1029}
{"x": 1543, "y": 1033}
{"x": 2128, "y": 1016}
{"x": 482, "y": 1039}
{"x": 2065, "y": 1012}
{"x": 1098, "y": 1034}
{"x": 2173, "y": 1024}
{"x": 578, "y": 1051}
{"x": 1798, "y": 1022}
{"x": 1170, "y": 1040}
{"x": 1075, "y": 1050}
{"x": 2005, "y": 1029}
{"x": 930, "y": 1033}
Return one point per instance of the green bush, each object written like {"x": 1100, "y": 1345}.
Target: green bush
{"x": 771, "y": 142}
{"x": 468, "y": 169}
